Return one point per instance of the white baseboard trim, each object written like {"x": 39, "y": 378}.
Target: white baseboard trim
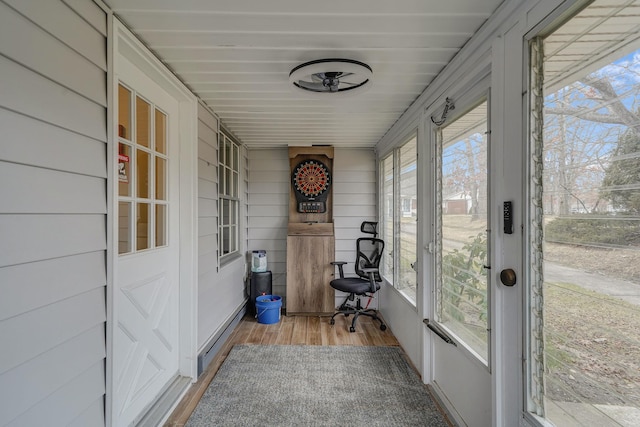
{"x": 216, "y": 342}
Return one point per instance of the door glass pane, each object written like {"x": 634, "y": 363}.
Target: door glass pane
{"x": 387, "y": 217}
{"x": 124, "y": 227}
{"x": 124, "y": 112}
{"x": 124, "y": 170}
{"x": 408, "y": 219}
{"x": 161, "y": 132}
{"x": 143, "y": 122}
{"x": 161, "y": 225}
{"x": 143, "y": 226}
{"x": 161, "y": 179}
{"x": 143, "y": 171}
{"x": 590, "y": 219}
{"x": 462, "y": 304}
{"x": 142, "y": 174}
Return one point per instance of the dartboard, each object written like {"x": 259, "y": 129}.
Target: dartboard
{"x": 311, "y": 178}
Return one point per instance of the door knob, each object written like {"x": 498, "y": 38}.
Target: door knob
{"x": 508, "y": 277}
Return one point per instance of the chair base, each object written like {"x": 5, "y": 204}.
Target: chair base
{"x": 357, "y": 311}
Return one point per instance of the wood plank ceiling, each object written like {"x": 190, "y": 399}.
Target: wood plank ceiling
{"x": 236, "y": 56}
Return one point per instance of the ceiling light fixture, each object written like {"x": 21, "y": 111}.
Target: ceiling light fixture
{"x": 332, "y": 76}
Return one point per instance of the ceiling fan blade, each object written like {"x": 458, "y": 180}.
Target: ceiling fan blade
{"x": 318, "y": 77}
{"x": 316, "y": 87}
{"x": 348, "y": 83}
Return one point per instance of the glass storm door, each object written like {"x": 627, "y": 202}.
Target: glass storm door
{"x": 461, "y": 340}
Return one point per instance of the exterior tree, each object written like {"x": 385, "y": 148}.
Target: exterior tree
{"x": 622, "y": 178}
{"x": 582, "y": 120}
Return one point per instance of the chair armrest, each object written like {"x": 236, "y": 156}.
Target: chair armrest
{"x": 371, "y": 271}
{"x": 339, "y": 264}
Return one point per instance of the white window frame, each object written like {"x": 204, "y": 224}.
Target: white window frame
{"x": 229, "y": 194}
{"x": 393, "y": 279}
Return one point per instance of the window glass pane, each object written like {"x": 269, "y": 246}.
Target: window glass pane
{"x": 236, "y": 164}
{"x": 233, "y": 240}
{"x": 225, "y": 212}
{"x": 124, "y": 227}
{"x": 161, "y": 132}
{"x": 142, "y": 176}
{"x": 124, "y": 112}
{"x": 462, "y": 292}
{"x": 228, "y": 182}
{"x": 221, "y": 179}
{"x": 124, "y": 170}
{"x": 227, "y": 152}
{"x": 161, "y": 225}
{"x": 387, "y": 217}
{"x": 590, "y": 216}
{"x": 221, "y": 146}
{"x": 225, "y": 240}
{"x": 143, "y": 226}
{"x": 408, "y": 220}
{"x": 234, "y": 185}
{"x": 161, "y": 179}
{"x": 143, "y": 122}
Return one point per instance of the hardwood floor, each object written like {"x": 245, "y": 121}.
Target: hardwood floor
{"x": 291, "y": 330}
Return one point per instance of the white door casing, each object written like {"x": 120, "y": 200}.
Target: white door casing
{"x": 151, "y": 303}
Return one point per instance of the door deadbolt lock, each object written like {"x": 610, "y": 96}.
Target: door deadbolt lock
{"x": 508, "y": 277}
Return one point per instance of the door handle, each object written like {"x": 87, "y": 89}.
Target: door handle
{"x": 508, "y": 277}
{"x": 439, "y": 332}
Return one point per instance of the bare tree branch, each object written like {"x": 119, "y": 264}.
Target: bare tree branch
{"x": 585, "y": 114}
{"x": 604, "y": 86}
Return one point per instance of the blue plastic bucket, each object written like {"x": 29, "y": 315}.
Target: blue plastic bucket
{"x": 268, "y": 308}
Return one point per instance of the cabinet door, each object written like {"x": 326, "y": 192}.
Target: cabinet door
{"x": 308, "y": 274}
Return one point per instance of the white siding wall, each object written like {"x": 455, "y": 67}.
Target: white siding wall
{"x": 52, "y": 215}
{"x": 220, "y": 288}
{"x": 269, "y": 210}
{"x": 354, "y": 193}
{"x": 354, "y": 201}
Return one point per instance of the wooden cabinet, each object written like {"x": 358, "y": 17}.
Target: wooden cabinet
{"x": 310, "y": 238}
{"x": 309, "y": 270}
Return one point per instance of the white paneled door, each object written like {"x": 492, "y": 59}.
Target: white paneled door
{"x": 146, "y": 292}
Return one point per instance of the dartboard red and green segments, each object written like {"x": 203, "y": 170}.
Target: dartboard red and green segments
{"x": 311, "y": 178}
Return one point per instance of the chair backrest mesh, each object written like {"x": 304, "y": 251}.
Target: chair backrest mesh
{"x": 369, "y": 227}
{"x": 369, "y": 256}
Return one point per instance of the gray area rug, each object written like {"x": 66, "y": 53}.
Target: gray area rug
{"x": 300, "y": 385}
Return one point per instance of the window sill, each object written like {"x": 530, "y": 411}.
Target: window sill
{"x": 229, "y": 258}
{"x": 403, "y": 296}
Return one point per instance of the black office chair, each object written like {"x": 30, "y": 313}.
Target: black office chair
{"x": 367, "y": 283}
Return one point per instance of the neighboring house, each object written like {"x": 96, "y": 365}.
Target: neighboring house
{"x": 72, "y": 312}
{"x": 458, "y": 204}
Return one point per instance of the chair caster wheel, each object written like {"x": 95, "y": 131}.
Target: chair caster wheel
{"x": 332, "y": 321}
{"x": 352, "y": 329}
{"x": 383, "y": 327}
